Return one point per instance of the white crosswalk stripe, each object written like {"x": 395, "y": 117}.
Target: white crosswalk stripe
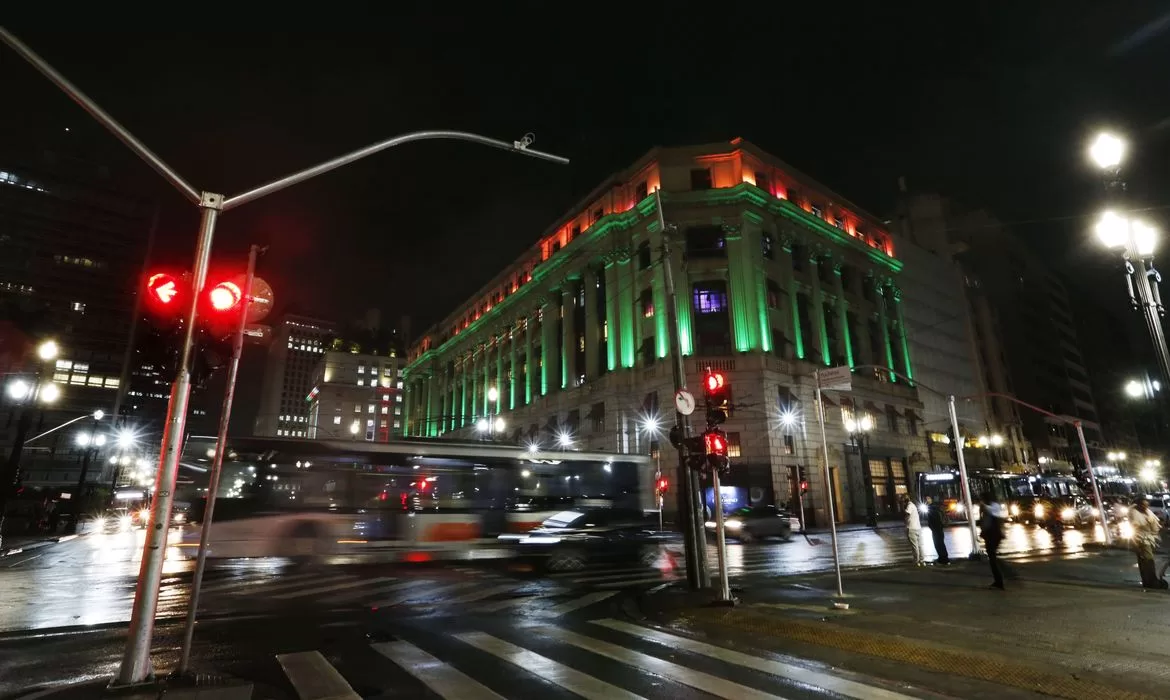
{"x": 481, "y": 594}
{"x": 331, "y": 588}
{"x": 583, "y": 601}
{"x": 665, "y": 665}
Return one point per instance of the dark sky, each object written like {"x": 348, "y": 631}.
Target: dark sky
{"x": 992, "y": 105}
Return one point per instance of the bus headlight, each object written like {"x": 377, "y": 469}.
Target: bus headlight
{"x": 1068, "y": 514}
{"x": 923, "y": 508}
{"x": 1038, "y": 510}
{"x": 125, "y": 522}
{"x": 957, "y": 507}
{"x": 733, "y": 524}
{"x": 1014, "y": 510}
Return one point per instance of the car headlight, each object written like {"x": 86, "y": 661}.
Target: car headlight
{"x": 733, "y": 524}
{"x": 1038, "y": 510}
{"x": 1125, "y": 529}
{"x": 957, "y": 507}
{"x": 143, "y": 516}
{"x": 1068, "y": 514}
{"x": 180, "y": 517}
{"x": 710, "y": 523}
{"x": 1014, "y": 510}
{"x": 125, "y": 522}
{"x": 99, "y": 523}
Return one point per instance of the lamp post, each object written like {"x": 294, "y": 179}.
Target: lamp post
{"x": 26, "y": 394}
{"x": 992, "y": 442}
{"x": 91, "y": 443}
{"x": 859, "y": 435}
{"x": 653, "y": 427}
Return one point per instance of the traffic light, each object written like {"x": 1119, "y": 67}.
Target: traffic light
{"x": 803, "y": 478}
{"x": 165, "y": 297}
{"x": 662, "y": 486}
{"x": 220, "y": 305}
{"x": 715, "y": 446}
{"x": 717, "y": 393}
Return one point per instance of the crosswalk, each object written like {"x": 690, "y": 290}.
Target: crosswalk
{"x": 599, "y": 659}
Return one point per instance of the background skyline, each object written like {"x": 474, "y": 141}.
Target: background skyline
{"x": 973, "y": 106}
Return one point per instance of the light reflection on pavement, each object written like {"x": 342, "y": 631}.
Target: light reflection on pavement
{"x": 90, "y": 580}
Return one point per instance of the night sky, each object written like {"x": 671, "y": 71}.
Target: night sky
{"x": 993, "y": 107}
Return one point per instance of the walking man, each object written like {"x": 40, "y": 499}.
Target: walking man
{"x": 936, "y": 521}
{"x": 991, "y": 527}
{"x": 1147, "y": 529}
{"x": 913, "y": 527}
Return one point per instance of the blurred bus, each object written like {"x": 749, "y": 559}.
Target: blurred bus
{"x": 421, "y": 498}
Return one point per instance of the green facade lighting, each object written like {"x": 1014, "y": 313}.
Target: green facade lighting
{"x": 611, "y": 316}
{"x": 797, "y": 336}
{"x": 826, "y": 351}
{"x": 626, "y": 311}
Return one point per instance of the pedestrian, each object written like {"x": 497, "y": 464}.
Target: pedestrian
{"x": 913, "y": 527}
{"x": 1147, "y": 530}
{"x": 936, "y": 521}
{"x": 991, "y": 527}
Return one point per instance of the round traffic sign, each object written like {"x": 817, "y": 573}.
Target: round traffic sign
{"x": 259, "y": 300}
{"x": 684, "y": 401}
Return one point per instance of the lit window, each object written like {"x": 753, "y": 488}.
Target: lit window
{"x": 62, "y": 377}
{"x": 385, "y": 410}
{"x": 77, "y": 379}
{"x": 361, "y": 369}
{"x": 357, "y": 408}
{"x": 382, "y": 424}
{"x": 371, "y": 408}
{"x": 398, "y": 410}
{"x": 399, "y": 385}
{"x": 67, "y": 364}
{"x": 398, "y": 398}
{"x": 816, "y": 211}
{"x": 361, "y": 382}
{"x": 81, "y": 367}
{"x": 710, "y": 301}
{"x": 397, "y": 424}
{"x": 79, "y": 306}
{"x": 336, "y": 420}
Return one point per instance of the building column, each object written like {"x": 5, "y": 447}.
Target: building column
{"x": 487, "y": 377}
{"x": 501, "y": 391}
{"x": 528, "y": 320}
{"x": 884, "y": 322}
{"x": 512, "y": 378}
{"x": 548, "y": 339}
{"x": 568, "y": 334}
{"x": 407, "y": 413}
{"x": 901, "y": 336}
{"x": 473, "y": 381}
{"x": 592, "y": 327}
{"x": 612, "y": 343}
{"x": 626, "y": 281}
{"x": 742, "y": 295}
{"x": 461, "y": 367}
{"x": 683, "y": 303}
{"x": 824, "y": 356}
{"x": 843, "y": 318}
{"x": 430, "y": 421}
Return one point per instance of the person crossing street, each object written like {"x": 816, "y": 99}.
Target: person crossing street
{"x": 1147, "y": 531}
{"x": 913, "y": 527}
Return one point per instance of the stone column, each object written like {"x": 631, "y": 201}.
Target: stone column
{"x": 822, "y": 354}
{"x": 501, "y": 390}
{"x": 906, "y": 367}
{"x": 625, "y": 294}
{"x": 548, "y": 339}
{"x": 487, "y": 376}
{"x": 613, "y": 342}
{"x": 512, "y": 378}
{"x": 529, "y": 319}
{"x": 657, "y": 296}
{"x": 592, "y": 367}
{"x": 568, "y": 334}
{"x": 463, "y": 372}
{"x": 742, "y": 293}
{"x": 473, "y": 381}
{"x": 430, "y": 424}
{"x": 883, "y": 297}
{"x": 843, "y": 317}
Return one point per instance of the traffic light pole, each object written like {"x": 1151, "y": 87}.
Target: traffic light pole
{"x": 720, "y": 542}
{"x": 225, "y": 415}
{"x": 963, "y": 481}
{"x": 828, "y": 484}
{"x": 689, "y": 496}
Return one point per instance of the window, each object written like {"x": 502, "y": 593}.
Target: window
{"x": 597, "y": 417}
{"x": 817, "y": 211}
{"x": 361, "y": 369}
{"x": 385, "y": 410}
{"x": 597, "y": 214}
{"x": 763, "y": 181}
{"x": 556, "y": 245}
{"x": 336, "y": 420}
{"x": 646, "y": 303}
{"x": 701, "y": 179}
{"x": 640, "y": 192}
{"x": 361, "y": 382}
{"x": 911, "y": 422}
{"x": 78, "y": 307}
{"x": 838, "y": 222}
{"x": 789, "y": 445}
{"x": 733, "y": 449}
{"x": 575, "y": 231}
{"x": 799, "y": 257}
{"x": 647, "y": 351}
{"x": 644, "y": 257}
{"x": 357, "y": 408}
{"x": 892, "y": 418}
{"x": 711, "y": 298}
{"x": 766, "y": 245}
{"x": 706, "y": 242}
{"x": 774, "y": 292}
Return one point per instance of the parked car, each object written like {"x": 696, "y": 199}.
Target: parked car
{"x": 752, "y": 523}
{"x": 579, "y": 537}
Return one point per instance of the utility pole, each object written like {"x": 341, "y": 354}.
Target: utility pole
{"x": 690, "y": 502}
{"x": 225, "y": 415}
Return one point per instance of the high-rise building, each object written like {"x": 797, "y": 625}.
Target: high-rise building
{"x": 356, "y": 395}
{"x": 775, "y": 276}
{"x": 1026, "y": 338}
{"x": 298, "y": 343}
{"x": 71, "y": 253}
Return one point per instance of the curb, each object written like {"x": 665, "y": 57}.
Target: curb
{"x": 37, "y": 545}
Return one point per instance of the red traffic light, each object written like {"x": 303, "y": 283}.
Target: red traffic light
{"x": 163, "y": 288}
{"x": 225, "y": 296}
{"x": 804, "y": 487}
{"x": 662, "y": 485}
{"x": 713, "y": 382}
{"x": 716, "y": 443}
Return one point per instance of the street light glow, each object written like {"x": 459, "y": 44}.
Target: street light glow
{"x": 482, "y": 425}
{"x": 1107, "y": 150}
{"x": 1134, "y": 388}
{"x": 500, "y": 425}
{"x": 99, "y": 414}
{"x": 99, "y": 440}
{"x": 493, "y": 394}
{"x": 48, "y": 350}
{"x": 788, "y": 419}
{"x": 127, "y": 438}
{"x": 1145, "y": 237}
{"x": 564, "y": 439}
{"x": 83, "y": 439}
{"x": 1148, "y": 474}
{"x": 19, "y": 389}
{"x": 1112, "y": 229}
{"x": 50, "y": 393}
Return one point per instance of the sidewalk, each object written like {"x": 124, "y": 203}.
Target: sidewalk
{"x": 1077, "y": 627}
{"x": 23, "y": 543}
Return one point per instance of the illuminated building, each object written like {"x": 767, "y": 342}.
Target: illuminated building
{"x": 356, "y": 396}
{"x": 298, "y": 342}
{"x": 780, "y": 276}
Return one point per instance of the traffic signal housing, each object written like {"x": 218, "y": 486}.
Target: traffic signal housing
{"x": 662, "y": 485}
{"x": 717, "y": 395}
{"x": 715, "y": 447}
{"x": 803, "y": 479}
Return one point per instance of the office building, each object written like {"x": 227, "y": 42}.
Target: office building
{"x": 296, "y": 348}
{"x": 356, "y": 395}
{"x": 775, "y": 276}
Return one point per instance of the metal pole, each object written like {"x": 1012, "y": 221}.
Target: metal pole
{"x": 828, "y": 485}
{"x": 966, "y": 485}
{"x": 136, "y": 666}
{"x": 12, "y": 466}
{"x": 1093, "y": 481}
{"x": 690, "y": 495}
{"x": 124, "y": 375}
{"x": 720, "y": 541}
{"x": 69, "y": 422}
{"x": 225, "y": 415}
{"x": 1149, "y": 310}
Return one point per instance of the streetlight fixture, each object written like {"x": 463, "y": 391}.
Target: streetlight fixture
{"x": 500, "y": 425}
{"x": 482, "y": 425}
{"x": 493, "y": 394}
{"x": 1108, "y": 150}
{"x": 564, "y": 439}
{"x": 858, "y": 430}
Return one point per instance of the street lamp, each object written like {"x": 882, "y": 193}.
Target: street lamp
{"x": 859, "y": 435}
{"x": 482, "y": 425}
{"x": 1107, "y": 151}
{"x": 493, "y": 395}
{"x": 500, "y": 425}
{"x": 564, "y": 439}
